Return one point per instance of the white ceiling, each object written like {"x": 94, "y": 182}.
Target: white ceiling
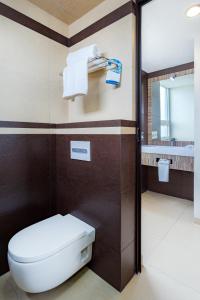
{"x": 167, "y": 34}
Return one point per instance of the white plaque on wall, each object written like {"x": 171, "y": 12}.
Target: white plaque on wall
{"x": 80, "y": 150}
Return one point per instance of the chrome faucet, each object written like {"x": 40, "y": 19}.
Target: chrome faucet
{"x": 172, "y": 142}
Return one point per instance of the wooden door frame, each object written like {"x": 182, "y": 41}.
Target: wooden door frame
{"x": 139, "y": 5}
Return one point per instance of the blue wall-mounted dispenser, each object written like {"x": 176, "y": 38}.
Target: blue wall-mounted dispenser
{"x": 114, "y": 75}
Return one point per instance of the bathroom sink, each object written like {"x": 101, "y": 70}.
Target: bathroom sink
{"x": 170, "y": 150}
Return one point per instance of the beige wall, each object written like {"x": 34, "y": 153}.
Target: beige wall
{"x": 30, "y": 85}
{"x": 104, "y": 101}
{"x": 31, "y": 88}
{"x": 33, "y": 11}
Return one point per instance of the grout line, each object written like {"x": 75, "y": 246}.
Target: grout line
{"x": 174, "y": 279}
{"x": 167, "y": 233}
{"x": 163, "y": 238}
{"x": 148, "y": 264}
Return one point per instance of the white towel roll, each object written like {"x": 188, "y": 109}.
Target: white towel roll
{"x": 75, "y": 75}
{"x": 163, "y": 170}
{"x": 89, "y": 52}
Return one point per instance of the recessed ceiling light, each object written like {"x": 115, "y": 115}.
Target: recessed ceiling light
{"x": 193, "y": 11}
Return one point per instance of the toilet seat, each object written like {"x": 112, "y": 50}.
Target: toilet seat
{"x": 44, "y": 239}
{"x": 44, "y": 255}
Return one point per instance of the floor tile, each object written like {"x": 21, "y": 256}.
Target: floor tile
{"x": 159, "y": 214}
{"x": 85, "y": 285}
{"x": 153, "y": 285}
{"x": 178, "y": 255}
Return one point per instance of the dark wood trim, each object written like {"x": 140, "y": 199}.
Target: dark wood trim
{"x": 16, "y": 124}
{"x": 174, "y": 69}
{"x": 28, "y": 22}
{"x": 138, "y": 210}
{"x": 107, "y": 20}
{"x": 138, "y": 258}
{"x": 143, "y": 2}
{"x": 91, "y": 124}
{"x": 144, "y": 108}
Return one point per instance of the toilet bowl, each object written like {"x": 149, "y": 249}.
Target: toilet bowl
{"x": 44, "y": 255}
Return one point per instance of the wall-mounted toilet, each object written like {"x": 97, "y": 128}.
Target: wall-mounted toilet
{"x": 44, "y": 255}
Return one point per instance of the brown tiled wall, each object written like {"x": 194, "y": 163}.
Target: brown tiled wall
{"x": 102, "y": 193}
{"x": 38, "y": 179}
{"x": 128, "y": 190}
{"x": 26, "y": 190}
{"x": 181, "y": 183}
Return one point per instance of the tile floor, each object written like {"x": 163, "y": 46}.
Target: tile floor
{"x": 171, "y": 259}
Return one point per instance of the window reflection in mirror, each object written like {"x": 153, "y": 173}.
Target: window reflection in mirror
{"x": 173, "y": 109}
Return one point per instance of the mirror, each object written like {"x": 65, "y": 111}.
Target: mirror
{"x": 173, "y": 109}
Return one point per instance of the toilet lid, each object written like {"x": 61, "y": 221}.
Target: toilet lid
{"x": 44, "y": 239}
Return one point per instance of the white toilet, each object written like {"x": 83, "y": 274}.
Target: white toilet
{"x": 44, "y": 255}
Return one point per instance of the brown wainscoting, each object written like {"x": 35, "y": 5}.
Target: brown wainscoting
{"x": 30, "y": 23}
{"x": 38, "y": 179}
{"x": 181, "y": 183}
{"x": 107, "y": 20}
{"x": 26, "y": 184}
{"x": 171, "y": 70}
{"x": 128, "y": 208}
{"x": 102, "y": 193}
